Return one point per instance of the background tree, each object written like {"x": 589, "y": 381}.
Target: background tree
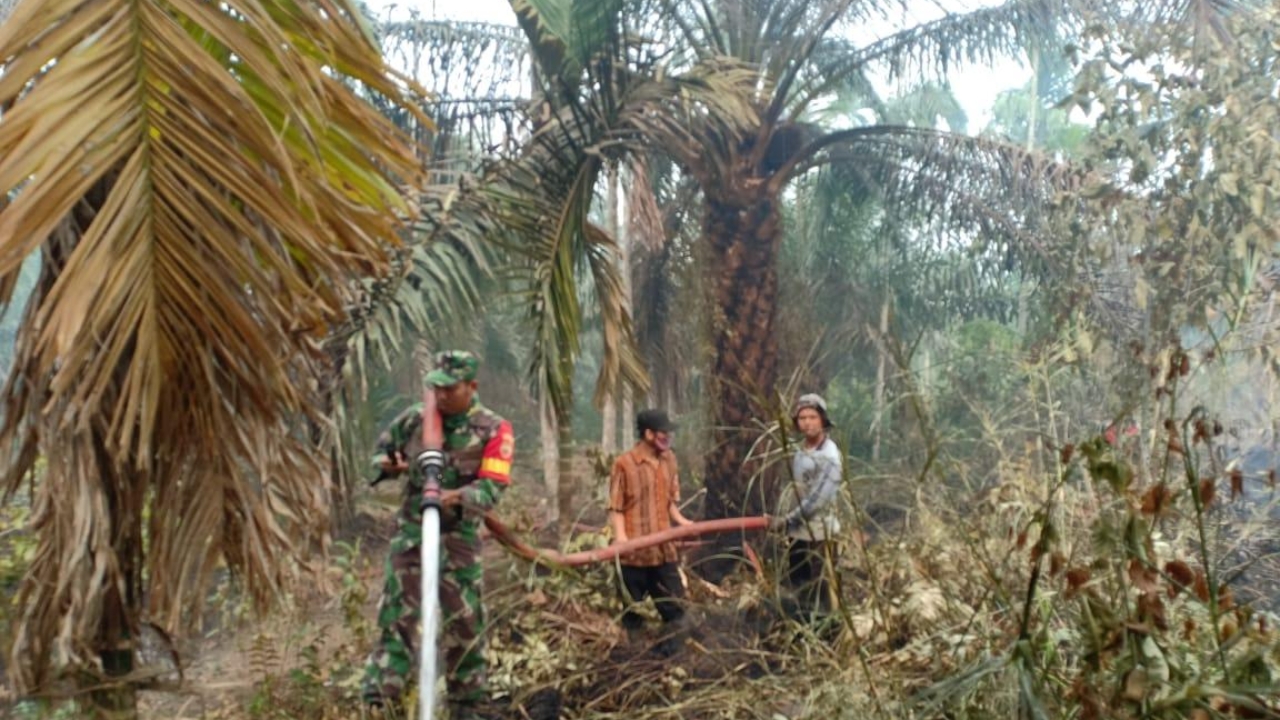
{"x": 602, "y": 98}
{"x": 1183, "y": 253}
{"x": 441, "y": 287}
{"x": 804, "y": 55}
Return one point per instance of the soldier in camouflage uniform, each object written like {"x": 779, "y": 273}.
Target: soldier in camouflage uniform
{"x": 478, "y": 447}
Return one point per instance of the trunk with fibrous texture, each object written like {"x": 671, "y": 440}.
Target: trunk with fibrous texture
{"x": 743, "y": 233}
{"x": 550, "y": 459}
{"x": 567, "y": 488}
{"x": 609, "y": 424}
{"x": 625, "y": 392}
{"x": 122, "y": 603}
{"x": 882, "y": 363}
{"x": 609, "y": 410}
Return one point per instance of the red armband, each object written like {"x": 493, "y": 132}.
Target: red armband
{"x": 495, "y": 464}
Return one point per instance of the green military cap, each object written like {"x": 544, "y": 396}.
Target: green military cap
{"x": 452, "y": 367}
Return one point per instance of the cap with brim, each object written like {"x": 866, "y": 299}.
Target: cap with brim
{"x": 441, "y": 378}
{"x": 453, "y": 367}
{"x": 813, "y": 401}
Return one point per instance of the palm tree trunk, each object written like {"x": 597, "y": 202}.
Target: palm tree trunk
{"x": 1033, "y": 111}
{"x": 568, "y": 485}
{"x": 624, "y": 258}
{"x": 550, "y": 458}
{"x": 628, "y": 416}
{"x": 881, "y": 367}
{"x": 1149, "y": 410}
{"x": 1033, "y": 119}
{"x": 609, "y": 413}
{"x": 340, "y": 486}
{"x": 609, "y": 420}
{"x": 744, "y": 235}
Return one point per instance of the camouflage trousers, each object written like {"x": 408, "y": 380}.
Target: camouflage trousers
{"x": 394, "y": 657}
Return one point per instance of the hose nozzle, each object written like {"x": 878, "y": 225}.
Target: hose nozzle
{"x": 431, "y": 463}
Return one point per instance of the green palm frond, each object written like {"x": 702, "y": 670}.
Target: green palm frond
{"x": 983, "y": 190}
{"x": 553, "y": 253}
{"x": 923, "y": 105}
{"x": 1204, "y": 18}
{"x": 854, "y": 92}
{"x": 447, "y": 252}
{"x": 566, "y": 36}
{"x": 626, "y": 110}
{"x": 549, "y": 197}
{"x": 779, "y": 39}
{"x": 765, "y": 34}
{"x": 931, "y": 49}
{"x": 548, "y": 26}
{"x": 207, "y": 189}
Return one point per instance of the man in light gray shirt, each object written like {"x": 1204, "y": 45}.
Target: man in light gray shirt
{"x": 809, "y": 499}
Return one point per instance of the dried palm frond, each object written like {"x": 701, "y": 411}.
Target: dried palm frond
{"x": 206, "y": 187}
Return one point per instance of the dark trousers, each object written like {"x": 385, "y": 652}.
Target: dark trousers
{"x": 660, "y": 582}
{"x": 808, "y": 576}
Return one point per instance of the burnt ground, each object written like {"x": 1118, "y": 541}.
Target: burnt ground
{"x": 555, "y": 645}
{"x": 644, "y": 672}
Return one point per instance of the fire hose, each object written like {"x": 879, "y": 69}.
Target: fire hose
{"x": 431, "y": 463}
{"x": 512, "y": 542}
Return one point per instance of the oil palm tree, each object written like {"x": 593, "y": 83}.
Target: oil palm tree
{"x": 879, "y": 274}
{"x": 602, "y": 97}
{"x": 490, "y": 232}
{"x": 744, "y": 142}
{"x": 443, "y": 279}
{"x": 207, "y": 192}
{"x": 800, "y": 52}
{"x": 597, "y": 103}
{"x": 966, "y": 186}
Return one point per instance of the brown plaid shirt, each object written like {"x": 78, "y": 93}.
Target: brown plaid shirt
{"x": 643, "y": 487}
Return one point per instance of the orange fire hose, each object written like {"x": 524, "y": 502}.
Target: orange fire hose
{"x": 512, "y": 542}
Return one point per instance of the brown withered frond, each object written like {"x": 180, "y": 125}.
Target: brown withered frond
{"x": 206, "y": 187}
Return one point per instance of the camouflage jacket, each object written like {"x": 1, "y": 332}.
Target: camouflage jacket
{"x": 479, "y": 446}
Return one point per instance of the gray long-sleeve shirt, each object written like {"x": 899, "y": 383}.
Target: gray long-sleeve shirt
{"x": 811, "y": 494}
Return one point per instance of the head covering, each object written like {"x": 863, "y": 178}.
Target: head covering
{"x": 453, "y": 367}
{"x": 812, "y": 401}
{"x": 655, "y": 420}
